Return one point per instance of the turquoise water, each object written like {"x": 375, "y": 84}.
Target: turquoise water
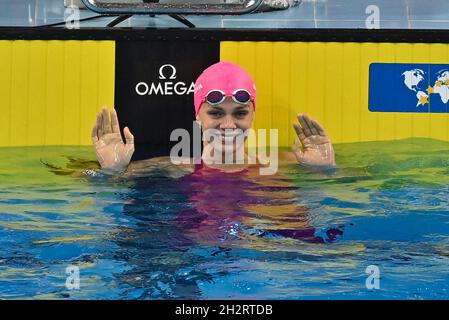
{"x": 297, "y": 235}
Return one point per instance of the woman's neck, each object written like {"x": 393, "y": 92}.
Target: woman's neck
{"x": 233, "y": 161}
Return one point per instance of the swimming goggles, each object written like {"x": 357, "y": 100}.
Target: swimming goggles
{"x": 240, "y": 96}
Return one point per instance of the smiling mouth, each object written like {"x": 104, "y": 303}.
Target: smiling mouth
{"x": 229, "y": 138}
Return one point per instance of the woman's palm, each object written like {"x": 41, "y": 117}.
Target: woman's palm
{"x": 316, "y": 149}
{"x": 111, "y": 152}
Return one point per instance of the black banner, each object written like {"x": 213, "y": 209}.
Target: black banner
{"x": 213, "y": 309}
{"x": 154, "y": 89}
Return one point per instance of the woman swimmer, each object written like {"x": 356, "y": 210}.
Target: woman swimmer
{"x": 224, "y": 198}
{"x": 225, "y": 102}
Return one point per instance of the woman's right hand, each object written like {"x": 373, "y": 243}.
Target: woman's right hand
{"x": 111, "y": 152}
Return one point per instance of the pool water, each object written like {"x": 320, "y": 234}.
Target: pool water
{"x": 297, "y": 235}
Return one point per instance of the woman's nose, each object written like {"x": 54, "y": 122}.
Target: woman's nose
{"x": 228, "y": 123}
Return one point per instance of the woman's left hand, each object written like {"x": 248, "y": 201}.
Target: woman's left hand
{"x": 316, "y": 149}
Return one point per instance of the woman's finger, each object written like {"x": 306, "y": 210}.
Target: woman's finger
{"x": 304, "y": 125}
{"x": 312, "y": 128}
{"x": 106, "y": 125}
{"x": 299, "y": 131}
{"x": 128, "y": 136}
{"x": 319, "y": 128}
{"x": 99, "y": 123}
{"x": 94, "y": 134}
{"x": 114, "y": 122}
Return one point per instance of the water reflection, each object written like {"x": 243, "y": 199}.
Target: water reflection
{"x": 215, "y": 211}
{"x": 212, "y": 235}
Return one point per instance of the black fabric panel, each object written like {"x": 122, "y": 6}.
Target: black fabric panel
{"x": 222, "y": 34}
{"x": 152, "y": 117}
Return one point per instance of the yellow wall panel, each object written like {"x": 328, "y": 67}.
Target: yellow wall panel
{"x": 52, "y": 90}
{"x": 19, "y": 91}
{"x": 264, "y": 69}
{"x": 333, "y": 87}
{"x": 298, "y": 78}
{"x": 5, "y": 90}
{"x": 367, "y": 120}
{"x": 106, "y": 74}
{"x": 281, "y": 78}
{"x": 330, "y": 81}
{"x": 90, "y": 103}
{"x": 36, "y": 99}
{"x": 71, "y": 86}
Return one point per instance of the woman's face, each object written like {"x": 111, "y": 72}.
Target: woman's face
{"x": 225, "y": 118}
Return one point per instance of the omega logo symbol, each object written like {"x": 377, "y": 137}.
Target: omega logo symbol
{"x": 167, "y": 66}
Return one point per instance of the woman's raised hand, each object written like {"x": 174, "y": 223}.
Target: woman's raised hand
{"x": 316, "y": 148}
{"x": 112, "y": 153}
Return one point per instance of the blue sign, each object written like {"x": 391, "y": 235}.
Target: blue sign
{"x": 408, "y": 87}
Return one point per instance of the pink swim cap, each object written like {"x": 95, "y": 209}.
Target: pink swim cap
{"x": 225, "y": 76}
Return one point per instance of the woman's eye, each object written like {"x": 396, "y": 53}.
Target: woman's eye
{"x": 241, "y": 113}
{"x": 214, "y": 113}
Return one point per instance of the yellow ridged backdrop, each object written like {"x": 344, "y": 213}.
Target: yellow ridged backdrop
{"x": 329, "y": 81}
{"x": 51, "y": 90}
